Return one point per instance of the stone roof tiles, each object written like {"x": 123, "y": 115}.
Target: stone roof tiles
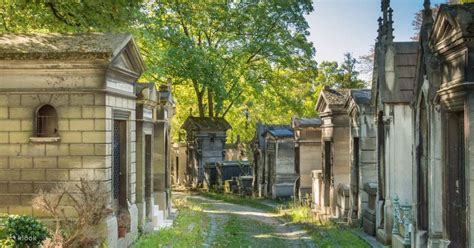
{"x": 361, "y": 96}
{"x": 306, "y": 122}
{"x": 335, "y": 97}
{"x": 406, "y": 56}
{"x": 279, "y": 131}
{"x": 206, "y": 123}
{"x": 62, "y": 46}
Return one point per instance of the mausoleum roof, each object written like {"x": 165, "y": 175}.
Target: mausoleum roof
{"x": 62, "y": 46}
{"x": 361, "y": 96}
{"x": 279, "y": 131}
{"x": 406, "y": 54}
{"x": 206, "y": 123}
{"x": 306, "y": 122}
{"x": 331, "y": 97}
{"x": 334, "y": 97}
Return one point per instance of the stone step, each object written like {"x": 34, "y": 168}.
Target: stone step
{"x": 159, "y": 220}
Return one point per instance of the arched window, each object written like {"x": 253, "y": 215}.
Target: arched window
{"x": 46, "y": 122}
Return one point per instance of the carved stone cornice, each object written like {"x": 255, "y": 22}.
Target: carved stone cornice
{"x": 452, "y": 96}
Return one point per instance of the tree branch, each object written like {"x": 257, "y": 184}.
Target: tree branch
{"x": 231, "y": 104}
{"x": 59, "y": 16}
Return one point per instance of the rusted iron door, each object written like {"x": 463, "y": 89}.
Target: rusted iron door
{"x": 355, "y": 176}
{"x": 327, "y": 172}
{"x": 148, "y": 175}
{"x": 119, "y": 170}
{"x": 455, "y": 204}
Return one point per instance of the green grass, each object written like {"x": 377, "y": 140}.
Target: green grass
{"x": 324, "y": 234}
{"x": 246, "y": 201}
{"x": 332, "y": 235}
{"x": 187, "y": 231}
{"x": 239, "y": 232}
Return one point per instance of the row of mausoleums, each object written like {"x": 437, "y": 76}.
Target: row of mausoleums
{"x": 71, "y": 108}
{"x": 422, "y": 100}
{"x": 395, "y": 159}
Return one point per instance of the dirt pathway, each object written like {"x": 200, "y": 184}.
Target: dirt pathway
{"x": 279, "y": 233}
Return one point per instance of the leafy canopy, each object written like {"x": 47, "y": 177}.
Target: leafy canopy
{"x": 247, "y": 61}
{"x": 220, "y": 47}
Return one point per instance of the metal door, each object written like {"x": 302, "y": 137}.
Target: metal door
{"x": 455, "y": 205}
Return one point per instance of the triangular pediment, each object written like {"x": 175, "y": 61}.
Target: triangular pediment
{"x": 127, "y": 60}
{"x": 123, "y": 62}
{"x": 446, "y": 29}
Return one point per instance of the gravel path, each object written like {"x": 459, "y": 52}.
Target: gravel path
{"x": 219, "y": 212}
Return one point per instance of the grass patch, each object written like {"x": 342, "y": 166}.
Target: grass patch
{"x": 236, "y": 199}
{"x": 188, "y": 229}
{"x": 324, "y": 234}
{"x": 239, "y": 232}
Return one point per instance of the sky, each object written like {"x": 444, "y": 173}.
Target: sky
{"x": 341, "y": 26}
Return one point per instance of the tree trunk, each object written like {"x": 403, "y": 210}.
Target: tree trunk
{"x": 210, "y": 102}
{"x": 199, "y": 94}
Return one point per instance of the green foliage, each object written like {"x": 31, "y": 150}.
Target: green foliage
{"x": 323, "y": 234}
{"x": 67, "y": 16}
{"x": 226, "y": 58}
{"x": 25, "y": 230}
{"x": 467, "y": 1}
{"x": 3, "y": 231}
{"x": 326, "y": 234}
{"x": 188, "y": 229}
{"x": 245, "y": 232}
{"x": 230, "y": 56}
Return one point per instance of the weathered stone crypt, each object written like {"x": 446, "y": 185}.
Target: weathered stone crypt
{"x": 206, "y": 138}
{"x": 363, "y": 162}
{"x": 336, "y": 174}
{"x": 68, "y": 110}
{"x": 443, "y": 131}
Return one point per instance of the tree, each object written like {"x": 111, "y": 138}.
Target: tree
{"x": 349, "y": 78}
{"x": 67, "y": 16}
{"x": 221, "y": 48}
{"x": 366, "y": 64}
{"x": 224, "y": 57}
{"x": 344, "y": 76}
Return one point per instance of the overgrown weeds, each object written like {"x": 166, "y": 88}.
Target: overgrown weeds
{"x": 188, "y": 230}
{"x": 77, "y": 210}
{"x": 325, "y": 233}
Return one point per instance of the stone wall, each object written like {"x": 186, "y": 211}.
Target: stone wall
{"x": 310, "y": 159}
{"x": 28, "y": 166}
{"x": 178, "y": 161}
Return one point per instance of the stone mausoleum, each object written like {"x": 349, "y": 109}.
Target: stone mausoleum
{"x": 336, "y": 174}
{"x": 68, "y": 110}
{"x": 279, "y": 172}
{"x": 363, "y": 162}
{"x": 307, "y": 133}
{"x": 206, "y": 139}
